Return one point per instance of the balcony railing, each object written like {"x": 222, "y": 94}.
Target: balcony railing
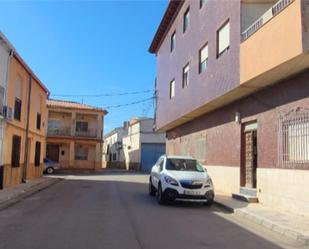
{"x": 59, "y": 131}
{"x": 87, "y": 133}
{"x": 269, "y": 14}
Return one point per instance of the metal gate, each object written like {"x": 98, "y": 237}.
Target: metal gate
{"x": 150, "y": 154}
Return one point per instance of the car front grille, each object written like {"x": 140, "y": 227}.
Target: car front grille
{"x": 191, "y": 184}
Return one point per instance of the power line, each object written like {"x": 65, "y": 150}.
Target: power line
{"x": 101, "y": 95}
{"x": 129, "y": 104}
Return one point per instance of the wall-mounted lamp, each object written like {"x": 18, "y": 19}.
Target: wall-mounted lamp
{"x": 237, "y": 117}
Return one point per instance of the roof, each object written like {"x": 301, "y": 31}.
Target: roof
{"x": 22, "y": 62}
{"x": 136, "y": 120}
{"x": 167, "y": 20}
{"x": 55, "y": 103}
{"x": 114, "y": 131}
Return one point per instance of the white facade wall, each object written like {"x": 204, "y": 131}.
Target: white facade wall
{"x": 4, "y": 63}
{"x": 139, "y": 133}
{"x": 112, "y": 141}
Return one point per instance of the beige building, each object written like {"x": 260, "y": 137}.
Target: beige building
{"x": 75, "y": 135}
{"x": 25, "y": 117}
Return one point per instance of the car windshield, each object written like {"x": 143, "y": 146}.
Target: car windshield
{"x": 183, "y": 165}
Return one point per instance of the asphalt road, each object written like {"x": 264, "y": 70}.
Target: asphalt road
{"x": 116, "y": 212}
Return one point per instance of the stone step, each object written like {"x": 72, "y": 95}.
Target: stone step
{"x": 248, "y": 191}
{"x": 245, "y": 198}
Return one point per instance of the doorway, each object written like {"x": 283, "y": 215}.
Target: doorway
{"x": 52, "y": 152}
{"x": 249, "y": 156}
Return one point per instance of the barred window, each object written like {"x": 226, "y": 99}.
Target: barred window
{"x": 200, "y": 149}
{"x": 294, "y": 138}
{"x": 81, "y": 153}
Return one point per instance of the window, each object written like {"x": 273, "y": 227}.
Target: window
{"x": 185, "y": 75}
{"x": 15, "y": 151}
{"x": 186, "y": 20}
{"x": 200, "y": 149}
{"x": 53, "y": 124}
{"x": 294, "y": 138}
{"x": 114, "y": 156}
{"x": 203, "y": 57}
{"x": 38, "y": 121}
{"x": 173, "y": 41}
{"x": 81, "y": 153}
{"x": 202, "y": 3}
{"x": 37, "y": 155}
{"x": 17, "y": 109}
{"x": 172, "y": 89}
{"x": 81, "y": 126}
{"x": 223, "y": 38}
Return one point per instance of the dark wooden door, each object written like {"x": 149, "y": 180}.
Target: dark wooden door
{"x": 52, "y": 152}
{"x": 250, "y": 160}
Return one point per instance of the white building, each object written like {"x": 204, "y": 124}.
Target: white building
{"x": 142, "y": 146}
{"x": 113, "y": 155}
{"x": 134, "y": 146}
{"x": 5, "y": 51}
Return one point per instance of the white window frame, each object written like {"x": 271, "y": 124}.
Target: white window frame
{"x": 203, "y": 58}
{"x": 172, "y": 88}
{"x": 185, "y": 75}
{"x": 223, "y": 38}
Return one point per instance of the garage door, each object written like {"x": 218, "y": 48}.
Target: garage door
{"x": 150, "y": 154}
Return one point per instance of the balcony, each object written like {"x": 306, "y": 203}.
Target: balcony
{"x": 273, "y": 47}
{"x": 266, "y": 17}
{"x": 91, "y": 133}
{"x": 59, "y": 131}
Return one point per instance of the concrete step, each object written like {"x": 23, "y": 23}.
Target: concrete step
{"x": 245, "y": 198}
{"x": 247, "y": 191}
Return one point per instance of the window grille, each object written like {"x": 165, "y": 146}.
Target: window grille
{"x": 294, "y": 139}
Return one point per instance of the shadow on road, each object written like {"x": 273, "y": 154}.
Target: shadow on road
{"x": 114, "y": 211}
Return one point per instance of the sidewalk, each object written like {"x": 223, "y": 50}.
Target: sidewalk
{"x": 12, "y": 195}
{"x": 293, "y": 226}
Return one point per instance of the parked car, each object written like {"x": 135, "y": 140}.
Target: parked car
{"x": 178, "y": 178}
{"x": 50, "y": 166}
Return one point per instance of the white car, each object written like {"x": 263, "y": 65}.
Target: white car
{"x": 178, "y": 178}
{"x": 50, "y": 166}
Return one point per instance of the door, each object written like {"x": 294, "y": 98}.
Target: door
{"x": 249, "y": 158}
{"x": 52, "y": 152}
{"x": 150, "y": 154}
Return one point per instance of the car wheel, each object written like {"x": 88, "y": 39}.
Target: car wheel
{"x": 160, "y": 196}
{"x": 209, "y": 202}
{"x": 50, "y": 170}
{"x": 152, "y": 190}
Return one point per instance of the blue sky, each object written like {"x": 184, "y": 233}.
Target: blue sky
{"x": 89, "y": 47}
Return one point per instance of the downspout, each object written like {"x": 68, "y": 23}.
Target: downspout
{"x": 24, "y": 175}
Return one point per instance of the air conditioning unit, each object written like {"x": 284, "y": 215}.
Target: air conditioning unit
{"x": 8, "y": 112}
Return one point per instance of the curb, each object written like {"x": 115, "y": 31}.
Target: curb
{"x": 28, "y": 192}
{"x": 267, "y": 224}
{"x": 223, "y": 206}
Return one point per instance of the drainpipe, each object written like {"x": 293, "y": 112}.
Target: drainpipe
{"x": 24, "y": 175}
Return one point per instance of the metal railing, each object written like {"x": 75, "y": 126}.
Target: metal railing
{"x": 59, "y": 131}
{"x": 88, "y": 133}
{"x": 268, "y": 15}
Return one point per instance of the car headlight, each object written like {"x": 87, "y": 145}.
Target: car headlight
{"x": 208, "y": 182}
{"x": 170, "y": 180}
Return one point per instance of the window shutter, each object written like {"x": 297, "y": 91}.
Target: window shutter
{"x": 37, "y": 157}
{"x": 224, "y": 38}
{"x": 18, "y": 88}
{"x": 186, "y": 69}
{"x": 204, "y": 53}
